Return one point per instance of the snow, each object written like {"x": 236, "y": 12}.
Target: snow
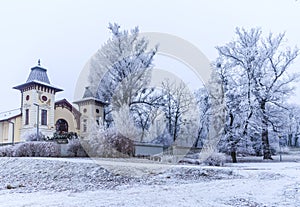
{"x": 9, "y": 114}
{"x": 84, "y": 182}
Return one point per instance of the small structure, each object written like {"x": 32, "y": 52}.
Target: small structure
{"x": 147, "y": 149}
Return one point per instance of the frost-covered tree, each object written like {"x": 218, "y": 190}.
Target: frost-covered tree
{"x": 203, "y": 103}
{"x": 125, "y": 52}
{"x": 178, "y": 104}
{"x": 124, "y": 123}
{"x": 291, "y": 121}
{"x": 236, "y": 105}
{"x": 121, "y": 67}
{"x": 265, "y": 63}
{"x": 216, "y": 116}
{"x": 148, "y": 116}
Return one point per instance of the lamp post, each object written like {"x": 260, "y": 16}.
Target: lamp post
{"x": 37, "y": 120}
{"x": 13, "y": 132}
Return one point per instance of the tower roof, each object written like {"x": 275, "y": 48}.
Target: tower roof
{"x": 88, "y": 93}
{"x": 38, "y": 76}
{"x": 88, "y": 96}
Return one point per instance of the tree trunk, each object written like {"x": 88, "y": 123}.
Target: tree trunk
{"x": 233, "y": 156}
{"x": 265, "y": 133}
{"x": 175, "y": 127}
{"x": 296, "y": 141}
{"x": 290, "y": 142}
{"x": 233, "y": 142}
{"x": 198, "y": 139}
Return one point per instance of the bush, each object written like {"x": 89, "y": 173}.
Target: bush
{"x": 76, "y": 149}
{"x": 216, "y": 159}
{"x": 122, "y": 144}
{"x": 36, "y": 149}
{"x": 32, "y": 136}
{"x": 42, "y": 149}
{"x": 6, "y": 151}
{"x": 108, "y": 143}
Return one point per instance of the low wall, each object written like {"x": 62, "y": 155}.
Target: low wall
{"x": 179, "y": 150}
{"x": 147, "y": 149}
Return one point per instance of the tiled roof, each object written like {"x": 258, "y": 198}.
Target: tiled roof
{"x": 38, "y": 74}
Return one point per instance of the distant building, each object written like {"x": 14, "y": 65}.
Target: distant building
{"x": 38, "y": 104}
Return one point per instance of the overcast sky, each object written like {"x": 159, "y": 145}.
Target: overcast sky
{"x": 64, "y": 34}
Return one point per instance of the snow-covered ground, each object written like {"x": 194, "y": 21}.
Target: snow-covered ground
{"x": 82, "y": 182}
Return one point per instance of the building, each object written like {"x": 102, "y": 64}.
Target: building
{"x": 40, "y": 111}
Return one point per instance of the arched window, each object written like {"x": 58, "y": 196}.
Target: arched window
{"x": 61, "y": 126}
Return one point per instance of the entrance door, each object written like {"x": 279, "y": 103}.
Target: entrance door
{"x": 61, "y": 126}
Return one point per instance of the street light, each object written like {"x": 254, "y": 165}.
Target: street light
{"x": 37, "y": 120}
{"x": 13, "y": 132}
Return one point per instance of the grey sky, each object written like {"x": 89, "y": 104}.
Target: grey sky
{"x": 64, "y": 34}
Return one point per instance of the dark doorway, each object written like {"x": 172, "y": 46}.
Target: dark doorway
{"x": 61, "y": 126}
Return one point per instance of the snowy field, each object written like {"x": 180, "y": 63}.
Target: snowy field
{"x": 81, "y": 182}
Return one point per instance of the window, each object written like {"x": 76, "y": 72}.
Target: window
{"x": 84, "y": 125}
{"x": 44, "y": 98}
{"x": 44, "y": 117}
{"x": 26, "y": 116}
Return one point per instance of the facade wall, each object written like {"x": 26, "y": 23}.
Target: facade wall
{"x": 4, "y": 135}
{"x": 18, "y": 126}
{"x": 45, "y": 98}
{"x": 64, "y": 113}
{"x": 91, "y": 113}
{"x": 6, "y": 130}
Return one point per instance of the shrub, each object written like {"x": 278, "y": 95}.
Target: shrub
{"x": 76, "y": 149}
{"x": 108, "y": 143}
{"x": 36, "y": 149}
{"x": 32, "y": 136}
{"x": 6, "y": 151}
{"x": 121, "y": 144}
{"x": 216, "y": 159}
{"x": 47, "y": 149}
{"x": 24, "y": 150}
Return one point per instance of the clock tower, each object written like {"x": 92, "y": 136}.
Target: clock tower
{"x": 37, "y": 103}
